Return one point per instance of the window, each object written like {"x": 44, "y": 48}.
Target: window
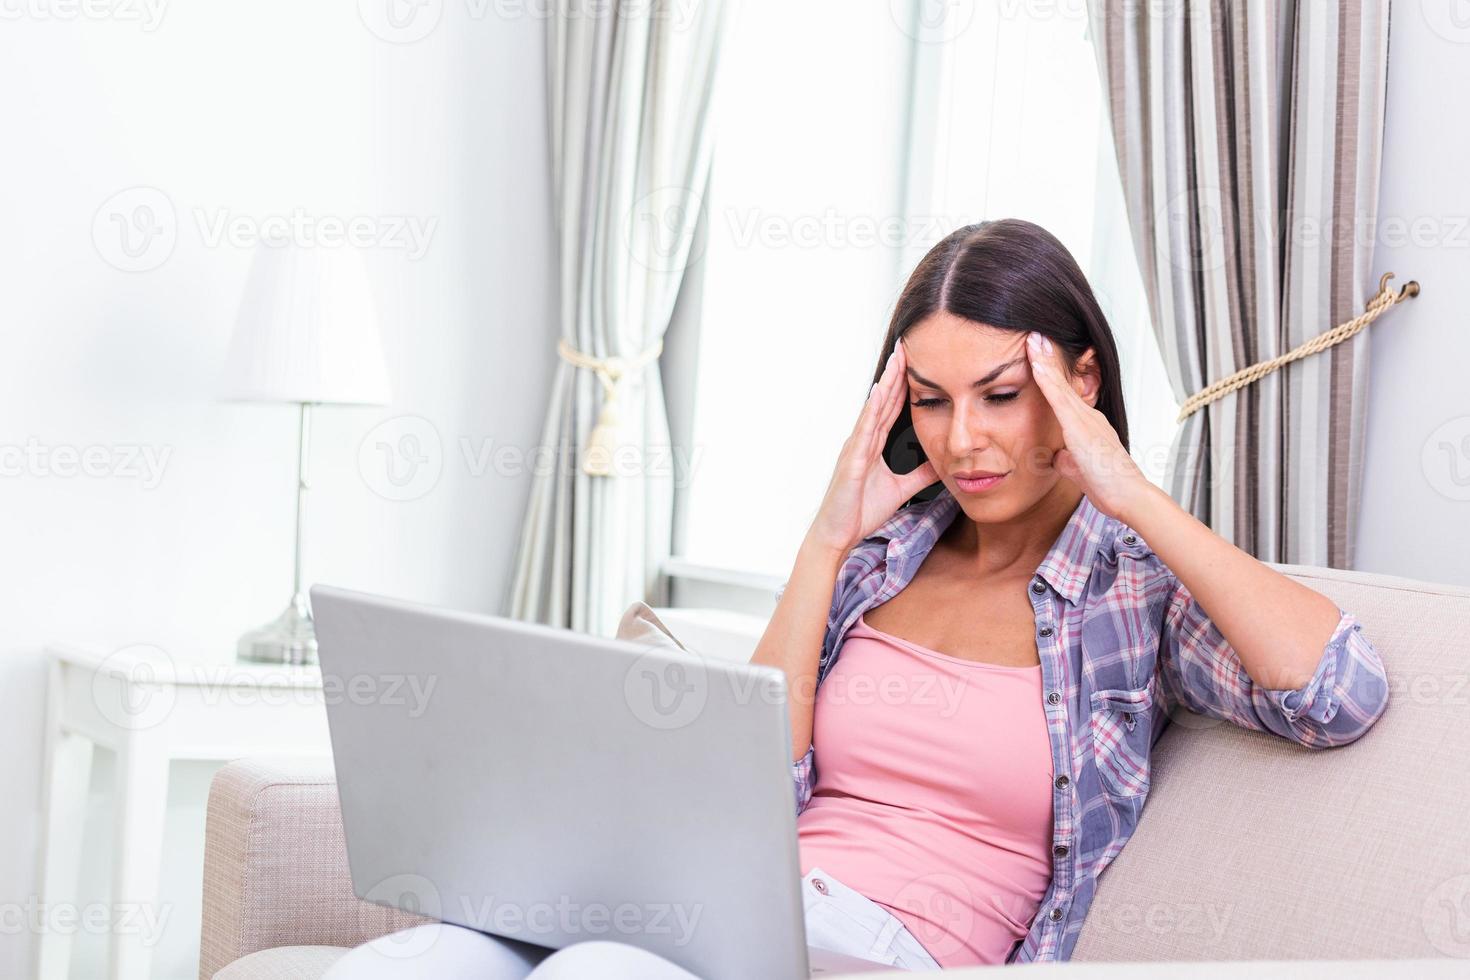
{"x": 852, "y": 138}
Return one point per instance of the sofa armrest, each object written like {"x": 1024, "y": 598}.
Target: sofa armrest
{"x": 275, "y": 865}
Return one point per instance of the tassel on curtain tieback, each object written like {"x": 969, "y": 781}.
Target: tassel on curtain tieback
{"x": 605, "y": 437}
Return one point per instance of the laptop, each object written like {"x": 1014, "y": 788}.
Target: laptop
{"x": 554, "y": 787}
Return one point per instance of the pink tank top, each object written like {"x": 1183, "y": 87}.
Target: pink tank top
{"x": 934, "y": 792}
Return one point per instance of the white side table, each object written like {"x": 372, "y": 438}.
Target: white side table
{"x": 151, "y": 709}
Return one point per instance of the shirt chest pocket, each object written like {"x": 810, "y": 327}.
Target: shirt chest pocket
{"x": 1121, "y": 731}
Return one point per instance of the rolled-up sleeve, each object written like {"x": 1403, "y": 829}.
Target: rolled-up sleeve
{"x": 801, "y": 770}
{"x": 802, "y": 775}
{"x": 1199, "y": 669}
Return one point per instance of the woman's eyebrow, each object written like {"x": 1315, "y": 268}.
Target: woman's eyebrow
{"x": 988, "y": 377}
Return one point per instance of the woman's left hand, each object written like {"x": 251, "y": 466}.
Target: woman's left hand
{"x": 1094, "y": 457}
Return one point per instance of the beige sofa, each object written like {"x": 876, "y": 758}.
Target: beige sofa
{"x": 1250, "y": 847}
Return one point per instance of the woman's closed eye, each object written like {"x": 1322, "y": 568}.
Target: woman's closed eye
{"x": 995, "y": 399}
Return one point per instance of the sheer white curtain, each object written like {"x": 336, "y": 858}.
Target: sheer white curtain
{"x": 1011, "y": 122}
{"x": 799, "y": 270}
{"x": 632, "y": 91}
{"x": 884, "y": 130}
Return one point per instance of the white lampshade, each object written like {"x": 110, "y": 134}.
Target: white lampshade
{"x": 307, "y": 330}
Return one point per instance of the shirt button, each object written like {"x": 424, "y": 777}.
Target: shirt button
{"x": 819, "y": 885}
{"x": 1129, "y": 538}
{"x": 1060, "y": 850}
{"x": 1038, "y": 588}
{"x": 1053, "y": 698}
{"x": 1056, "y": 915}
{"x": 1062, "y": 782}
{"x": 1046, "y": 631}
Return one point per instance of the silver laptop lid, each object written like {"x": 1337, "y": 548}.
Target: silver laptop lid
{"x": 555, "y": 787}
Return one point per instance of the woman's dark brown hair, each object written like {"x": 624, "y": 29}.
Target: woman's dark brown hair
{"x": 1014, "y": 275}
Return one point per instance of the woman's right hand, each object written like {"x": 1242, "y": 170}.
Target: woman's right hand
{"x": 864, "y": 491}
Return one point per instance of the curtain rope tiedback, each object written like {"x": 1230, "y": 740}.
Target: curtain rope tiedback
{"x": 1376, "y": 307}
{"x": 603, "y": 440}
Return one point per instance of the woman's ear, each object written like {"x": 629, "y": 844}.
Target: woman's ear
{"x": 1086, "y": 378}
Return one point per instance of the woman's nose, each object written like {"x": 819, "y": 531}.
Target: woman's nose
{"x": 967, "y": 433}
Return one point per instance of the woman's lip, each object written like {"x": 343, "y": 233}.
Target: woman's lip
{"x": 980, "y": 485}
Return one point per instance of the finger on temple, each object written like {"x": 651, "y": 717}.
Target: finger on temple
{"x": 891, "y": 409}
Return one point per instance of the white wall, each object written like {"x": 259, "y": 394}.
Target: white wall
{"x": 1415, "y": 517}
{"x": 258, "y": 109}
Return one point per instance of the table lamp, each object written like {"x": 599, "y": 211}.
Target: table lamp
{"x": 307, "y": 335}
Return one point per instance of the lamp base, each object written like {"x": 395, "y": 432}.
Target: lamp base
{"x": 290, "y": 638}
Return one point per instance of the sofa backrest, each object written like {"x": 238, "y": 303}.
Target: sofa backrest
{"x": 1253, "y": 847}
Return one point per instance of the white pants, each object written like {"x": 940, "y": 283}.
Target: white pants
{"x": 837, "y": 918}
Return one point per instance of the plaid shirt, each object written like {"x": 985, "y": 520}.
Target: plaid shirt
{"x": 1123, "y": 644}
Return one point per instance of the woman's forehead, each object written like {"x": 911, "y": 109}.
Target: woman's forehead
{"x": 941, "y": 345}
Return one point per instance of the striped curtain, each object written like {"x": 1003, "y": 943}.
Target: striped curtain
{"x": 1248, "y": 137}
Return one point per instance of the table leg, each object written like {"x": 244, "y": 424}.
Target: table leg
{"x": 68, "y": 778}
{"x": 142, "y": 805}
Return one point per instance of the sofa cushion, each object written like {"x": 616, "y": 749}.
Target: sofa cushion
{"x": 275, "y": 865}
{"x": 1254, "y": 847}
{"x": 640, "y": 624}
{"x": 283, "y": 963}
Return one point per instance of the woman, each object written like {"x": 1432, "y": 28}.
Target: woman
{"x": 986, "y": 670}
